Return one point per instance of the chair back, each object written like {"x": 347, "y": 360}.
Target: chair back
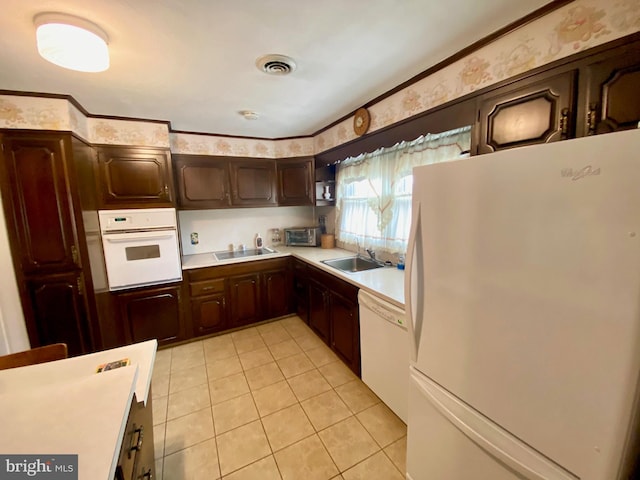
{"x": 48, "y": 353}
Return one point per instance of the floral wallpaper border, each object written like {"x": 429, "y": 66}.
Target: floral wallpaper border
{"x": 577, "y": 26}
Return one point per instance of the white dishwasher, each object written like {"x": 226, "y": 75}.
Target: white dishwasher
{"x": 384, "y": 350}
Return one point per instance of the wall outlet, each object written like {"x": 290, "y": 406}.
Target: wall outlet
{"x": 194, "y": 238}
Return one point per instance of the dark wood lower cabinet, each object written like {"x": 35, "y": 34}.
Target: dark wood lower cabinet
{"x": 244, "y": 299}
{"x": 235, "y": 295}
{"x": 153, "y": 312}
{"x": 59, "y": 308}
{"x": 276, "y": 287}
{"x": 345, "y": 330}
{"x": 301, "y": 289}
{"x": 319, "y": 310}
{"x": 333, "y": 315}
{"x": 209, "y": 314}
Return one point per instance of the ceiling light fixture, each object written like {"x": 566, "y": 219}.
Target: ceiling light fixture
{"x": 71, "y": 42}
{"x": 249, "y": 115}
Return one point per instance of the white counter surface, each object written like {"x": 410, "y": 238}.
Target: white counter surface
{"x": 86, "y": 416}
{"x": 386, "y": 283}
{"x": 142, "y": 355}
{"x": 65, "y": 407}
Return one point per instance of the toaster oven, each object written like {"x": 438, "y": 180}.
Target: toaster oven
{"x": 302, "y": 236}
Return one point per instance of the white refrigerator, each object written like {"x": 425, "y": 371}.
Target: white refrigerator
{"x": 523, "y": 298}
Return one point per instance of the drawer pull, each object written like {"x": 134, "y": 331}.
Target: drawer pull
{"x": 204, "y": 289}
{"x": 147, "y": 475}
{"x": 138, "y": 444}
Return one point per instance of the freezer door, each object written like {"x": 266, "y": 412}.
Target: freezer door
{"x": 524, "y": 292}
{"x": 449, "y": 440}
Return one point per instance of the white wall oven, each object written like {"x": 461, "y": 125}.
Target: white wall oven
{"x": 140, "y": 247}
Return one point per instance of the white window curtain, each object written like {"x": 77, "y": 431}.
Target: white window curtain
{"x": 373, "y": 195}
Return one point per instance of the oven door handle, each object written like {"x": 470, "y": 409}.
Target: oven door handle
{"x": 127, "y": 237}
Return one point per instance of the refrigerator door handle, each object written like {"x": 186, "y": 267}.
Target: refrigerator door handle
{"x": 412, "y": 281}
{"x": 490, "y": 437}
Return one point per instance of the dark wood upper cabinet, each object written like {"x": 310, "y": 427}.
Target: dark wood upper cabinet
{"x": 295, "y": 181}
{"x": 134, "y": 177}
{"x": 527, "y": 112}
{"x": 202, "y": 181}
{"x": 42, "y": 215}
{"x": 611, "y": 99}
{"x": 253, "y": 182}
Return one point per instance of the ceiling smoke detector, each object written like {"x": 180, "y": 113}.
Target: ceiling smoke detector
{"x": 274, "y": 64}
{"x": 249, "y": 114}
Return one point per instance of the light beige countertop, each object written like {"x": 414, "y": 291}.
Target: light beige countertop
{"x": 141, "y": 355}
{"x": 65, "y": 407}
{"x": 386, "y": 283}
{"x": 86, "y": 416}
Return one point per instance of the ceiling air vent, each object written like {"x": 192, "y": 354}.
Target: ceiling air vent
{"x": 276, "y": 64}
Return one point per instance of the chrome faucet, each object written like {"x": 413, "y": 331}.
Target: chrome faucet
{"x": 371, "y": 253}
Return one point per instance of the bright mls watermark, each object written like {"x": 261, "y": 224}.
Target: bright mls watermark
{"x": 40, "y": 467}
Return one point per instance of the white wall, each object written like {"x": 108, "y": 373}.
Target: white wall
{"x": 13, "y": 332}
{"x": 217, "y": 229}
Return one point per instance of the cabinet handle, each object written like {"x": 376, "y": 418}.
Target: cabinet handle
{"x": 592, "y": 119}
{"x": 206, "y": 289}
{"x": 80, "y": 283}
{"x": 138, "y": 444}
{"x": 564, "y": 122}
{"x": 74, "y": 254}
{"x": 166, "y": 190}
{"x": 147, "y": 475}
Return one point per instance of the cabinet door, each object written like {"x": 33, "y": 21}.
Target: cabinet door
{"x": 253, "y": 183}
{"x": 526, "y": 113}
{"x": 612, "y": 101}
{"x": 277, "y": 293}
{"x": 209, "y": 314}
{"x": 152, "y": 313}
{"x": 319, "y": 310}
{"x": 244, "y": 296}
{"x": 203, "y": 182}
{"x": 345, "y": 330}
{"x": 134, "y": 177}
{"x": 59, "y": 311}
{"x": 301, "y": 290}
{"x": 295, "y": 181}
{"x": 36, "y": 191}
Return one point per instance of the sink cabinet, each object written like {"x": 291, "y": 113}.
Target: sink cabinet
{"x": 235, "y": 295}
{"x": 333, "y": 315}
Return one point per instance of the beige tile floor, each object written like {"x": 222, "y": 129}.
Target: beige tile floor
{"x": 269, "y": 402}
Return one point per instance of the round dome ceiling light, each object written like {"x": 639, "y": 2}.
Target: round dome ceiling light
{"x": 275, "y": 64}
{"x": 249, "y": 115}
{"x": 71, "y": 42}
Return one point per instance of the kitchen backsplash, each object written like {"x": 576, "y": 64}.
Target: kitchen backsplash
{"x": 217, "y": 229}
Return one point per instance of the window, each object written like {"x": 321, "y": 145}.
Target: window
{"x": 374, "y": 189}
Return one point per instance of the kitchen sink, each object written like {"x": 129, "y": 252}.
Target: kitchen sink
{"x": 353, "y": 264}
{"x": 227, "y": 254}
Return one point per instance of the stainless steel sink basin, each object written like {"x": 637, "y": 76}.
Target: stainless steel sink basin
{"x": 352, "y": 264}
{"x": 226, "y": 254}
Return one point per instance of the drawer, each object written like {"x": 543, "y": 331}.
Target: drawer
{"x": 207, "y": 287}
